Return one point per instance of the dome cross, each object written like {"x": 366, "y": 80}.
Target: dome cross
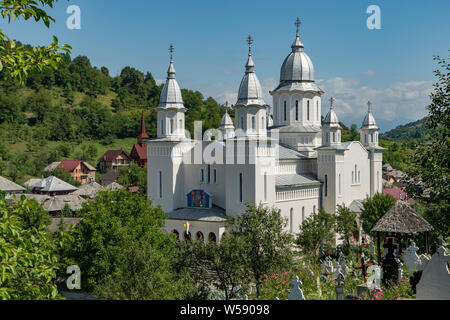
{"x": 369, "y": 105}
{"x": 249, "y": 42}
{"x": 332, "y": 100}
{"x": 297, "y": 25}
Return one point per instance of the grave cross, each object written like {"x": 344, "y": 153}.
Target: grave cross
{"x": 363, "y": 267}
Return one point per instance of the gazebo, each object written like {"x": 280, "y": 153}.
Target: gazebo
{"x": 401, "y": 221}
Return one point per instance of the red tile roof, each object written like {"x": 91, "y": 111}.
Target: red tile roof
{"x": 141, "y": 150}
{"x": 398, "y": 194}
{"x": 110, "y": 155}
{"x": 69, "y": 165}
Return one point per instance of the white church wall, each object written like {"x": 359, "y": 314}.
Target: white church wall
{"x": 218, "y": 228}
{"x": 358, "y": 186}
{"x": 309, "y": 205}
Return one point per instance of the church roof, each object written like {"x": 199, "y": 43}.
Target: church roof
{"x": 369, "y": 119}
{"x": 214, "y": 214}
{"x": 171, "y": 94}
{"x": 356, "y": 206}
{"x": 141, "y": 150}
{"x": 402, "y": 218}
{"x": 250, "y": 92}
{"x": 287, "y": 153}
{"x": 298, "y": 86}
{"x": 226, "y": 121}
{"x": 9, "y": 186}
{"x": 298, "y": 128}
{"x": 292, "y": 180}
{"x": 143, "y": 134}
{"x": 331, "y": 119}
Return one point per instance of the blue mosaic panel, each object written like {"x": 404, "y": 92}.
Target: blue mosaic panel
{"x": 198, "y": 199}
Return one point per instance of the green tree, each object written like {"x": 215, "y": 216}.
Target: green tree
{"x": 430, "y": 173}
{"x": 133, "y": 175}
{"x": 373, "y": 209}
{"x": 219, "y": 264}
{"x": 268, "y": 247}
{"x": 121, "y": 243}
{"x": 27, "y": 254}
{"x": 317, "y": 229}
{"x": 18, "y": 60}
{"x": 345, "y": 223}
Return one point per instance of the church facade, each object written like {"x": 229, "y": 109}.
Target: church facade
{"x": 293, "y": 162}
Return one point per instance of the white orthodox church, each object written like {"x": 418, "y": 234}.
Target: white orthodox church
{"x": 292, "y": 162}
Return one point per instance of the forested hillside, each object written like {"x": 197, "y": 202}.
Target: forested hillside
{"x": 411, "y": 131}
{"x": 78, "y": 112}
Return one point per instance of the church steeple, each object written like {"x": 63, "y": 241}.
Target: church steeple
{"x": 143, "y": 134}
{"x": 171, "y": 108}
{"x": 369, "y": 129}
{"x": 331, "y": 129}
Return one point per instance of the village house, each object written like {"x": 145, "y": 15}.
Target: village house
{"x": 80, "y": 170}
{"x": 139, "y": 151}
{"x": 109, "y": 177}
{"x": 10, "y": 187}
{"x": 398, "y": 194}
{"x": 113, "y": 160}
{"x": 52, "y": 186}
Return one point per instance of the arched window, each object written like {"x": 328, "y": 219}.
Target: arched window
{"x": 296, "y": 110}
{"x": 253, "y": 122}
{"x": 160, "y": 184}
{"x": 307, "y": 110}
{"x": 242, "y": 123}
{"x": 200, "y": 236}
{"x": 171, "y": 126}
{"x": 209, "y": 173}
{"x": 334, "y": 137}
{"x": 202, "y": 175}
{"x": 303, "y": 214}
{"x": 162, "y": 126}
{"x": 326, "y": 185}
{"x": 212, "y": 237}
{"x": 285, "y": 112}
{"x": 265, "y": 186}
{"x": 291, "y": 220}
{"x": 240, "y": 188}
{"x": 215, "y": 176}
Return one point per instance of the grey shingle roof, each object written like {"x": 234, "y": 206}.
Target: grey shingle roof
{"x": 286, "y": 153}
{"x": 57, "y": 203}
{"x": 9, "y": 186}
{"x": 356, "y": 206}
{"x": 53, "y": 184}
{"x": 287, "y": 180}
{"x": 89, "y": 190}
{"x": 215, "y": 214}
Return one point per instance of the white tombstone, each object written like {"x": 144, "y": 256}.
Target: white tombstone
{"x": 435, "y": 281}
{"x": 412, "y": 260}
{"x": 296, "y": 292}
{"x": 337, "y": 270}
{"x": 423, "y": 262}
{"x": 371, "y": 248}
{"x": 327, "y": 268}
{"x": 373, "y": 277}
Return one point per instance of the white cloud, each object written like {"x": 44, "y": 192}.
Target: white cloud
{"x": 370, "y": 73}
{"x": 400, "y": 102}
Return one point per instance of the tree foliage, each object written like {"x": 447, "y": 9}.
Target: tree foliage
{"x": 318, "y": 229}
{"x": 373, "y": 209}
{"x": 430, "y": 173}
{"x": 345, "y": 223}
{"x": 28, "y": 262}
{"x": 122, "y": 251}
{"x": 17, "y": 60}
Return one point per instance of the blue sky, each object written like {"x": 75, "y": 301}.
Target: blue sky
{"x": 393, "y": 67}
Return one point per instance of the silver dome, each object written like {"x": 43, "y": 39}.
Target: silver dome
{"x": 226, "y": 121}
{"x": 369, "y": 119}
{"x": 250, "y": 92}
{"x": 331, "y": 119}
{"x": 171, "y": 93}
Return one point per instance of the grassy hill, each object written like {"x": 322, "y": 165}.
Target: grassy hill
{"x": 411, "y": 131}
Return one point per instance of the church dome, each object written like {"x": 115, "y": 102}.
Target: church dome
{"x": 297, "y": 66}
{"x": 250, "y": 92}
{"x": 226, "y": 121}
{"x": 369, "y": 119}
{"x": 331, "y": 118}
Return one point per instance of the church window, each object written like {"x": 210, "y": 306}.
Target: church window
{"x": 285, "y": 113}
{"x": 215, "y": 176}
{"x": 326, "y": 185}
{"x": 371, "y": 137}
{"x": 242, "y": 123}
{"x": 200, "y": 236}
{"x": 303, "y": 214}
{"x": 209, "y": 173}
{"x": 317, "y": 110}
{"x": 162, "y": 126}
{"x": 291, "y": 220}
{"x": 314, "y": 209}
{"x": 202, "y": 175}
{"x": 240, "y": 188}
{"x": 359, "y": 177}
{"x": 160, "y": 184}
{"x": 334, "y": 137}
{"x": 327, "y": 137}
{"x": 181, "y": 124}
{"x": 296, "y": 110}
{"x": 171, "y": 126}
{"x": 307, "y": 110}
{"x": 265, "y": 186}
{"x": 212, "y": 237}
{"x": 378, "y": 180}
{"x": 253, "y": 122}
{"x": 365, "y": 138}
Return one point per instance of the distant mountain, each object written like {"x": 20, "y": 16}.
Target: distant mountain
{"x": 411, "y": 131}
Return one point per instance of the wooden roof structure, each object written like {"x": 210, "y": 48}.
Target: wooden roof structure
{"x": 401, "y": 218}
